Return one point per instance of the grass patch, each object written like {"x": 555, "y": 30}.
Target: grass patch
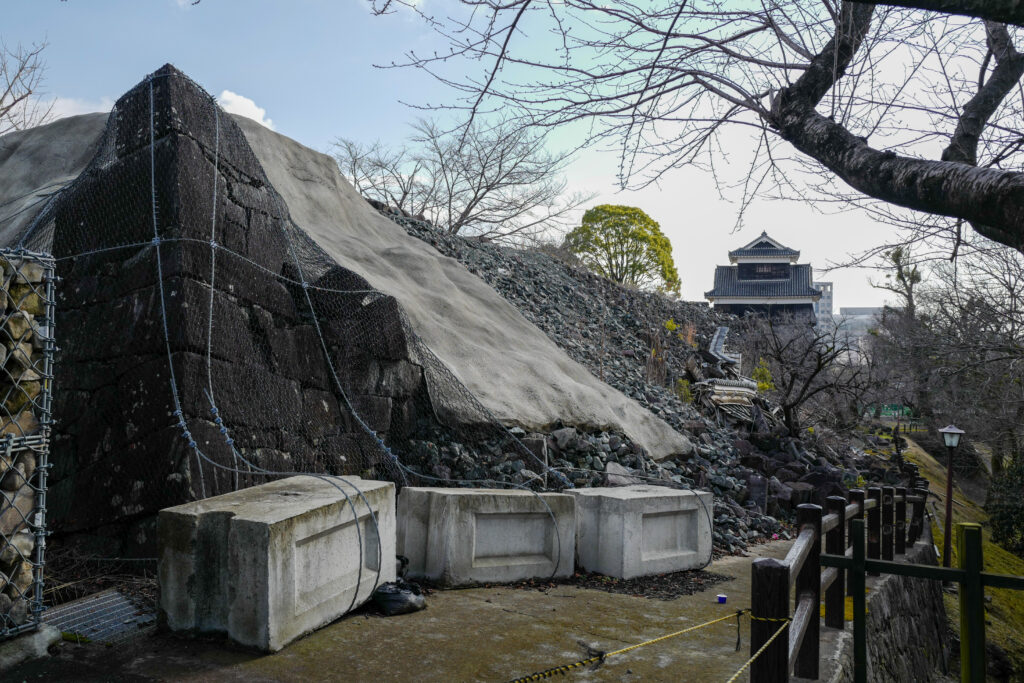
{"x": 848, "y": 607}
{"x": 1004, "y": 615}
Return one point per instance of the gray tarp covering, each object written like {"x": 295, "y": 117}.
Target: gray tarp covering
{"x": 509, "y": 364}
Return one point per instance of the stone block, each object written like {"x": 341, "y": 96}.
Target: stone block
{"x": 629, "y": 531}
{"x": 465, "y": 536}
{"x": 270, "y": 563}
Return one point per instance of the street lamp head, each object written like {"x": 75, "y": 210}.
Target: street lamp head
{"x": 951, "y": 435}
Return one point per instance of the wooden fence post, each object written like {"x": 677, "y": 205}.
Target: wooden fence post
{"x": 835, "y": 544}
{"x": 860, "y": 645}
{"x": 900, "y": 530}
{"x": 874, "y": 526}
{"x": 808, "y": 583}
{"x": 888, "y": 500}
{"x": 769, "y": 607}
{"x": 917, "y": 518}
{"x": 856, "y": 496}
{"x": 972, "y": 604}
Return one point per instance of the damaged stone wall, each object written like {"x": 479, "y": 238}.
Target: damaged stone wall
{"x": 119, "y": 451}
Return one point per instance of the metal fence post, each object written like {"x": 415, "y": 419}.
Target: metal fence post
{"x": 856, "y": 496}
{"x": 769, "y": 607}
{"x": 860, "y": 646}
{"x": 972, "y": 604}
{"x": 835, "y": 544}
{"x": 874, "y": 525}
{"x": 888, "y": 499}
{"x": 899, "y": 530}
{"x": 808, "y": 583}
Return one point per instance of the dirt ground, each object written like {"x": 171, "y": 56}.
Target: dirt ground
{"x": 478, "y": 634}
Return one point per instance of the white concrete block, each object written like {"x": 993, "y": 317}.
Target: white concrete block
{"x": 270, "y": 563}
{"x": 463, "y": 536}
{"x": 641, "y": 530}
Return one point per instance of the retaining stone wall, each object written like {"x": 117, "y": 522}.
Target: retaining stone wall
{"x": 908, "y": 636}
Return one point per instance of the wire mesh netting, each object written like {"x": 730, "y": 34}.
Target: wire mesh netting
{"x": 26, "y": 358}
{"x": 208, "y": 343}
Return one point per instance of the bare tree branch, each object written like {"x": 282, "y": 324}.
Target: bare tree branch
{"x": 21, "y": 76}
{"x": 667, "y": 81}
{"x": 495, "y": 183}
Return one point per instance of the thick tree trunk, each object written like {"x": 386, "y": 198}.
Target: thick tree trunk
{"x": 1004, "y": 11}
{"x": 789, "y": 417}
{"x": 992, "y": 200}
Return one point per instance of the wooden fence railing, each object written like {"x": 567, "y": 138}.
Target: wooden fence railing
{"x": 796, "y": 650}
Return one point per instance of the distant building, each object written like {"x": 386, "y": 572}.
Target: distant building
{"x": 857, "y": 311}
{"x": 765, "y": 278}
{"x": 857, "y": 321}
{"x": 823, "y": 306}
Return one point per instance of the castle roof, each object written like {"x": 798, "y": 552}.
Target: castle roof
{"x": 764, "y": 247}
{"x": 798, "y": 286}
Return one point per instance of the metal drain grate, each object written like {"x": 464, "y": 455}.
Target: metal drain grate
{"x": 106, "y": 617}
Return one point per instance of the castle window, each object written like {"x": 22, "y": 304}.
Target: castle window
{"x": 763, "y": 271}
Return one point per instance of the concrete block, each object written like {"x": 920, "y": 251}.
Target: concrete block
{"x": 27, "y": 646}
{"x": 641, "y": 530}
{"x": 270, "y": 563}
{"x": 464, "y": 536}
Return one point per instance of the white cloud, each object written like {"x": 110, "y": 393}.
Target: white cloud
{"x": 73, "y": 106}
{"x": 233, "y": 103}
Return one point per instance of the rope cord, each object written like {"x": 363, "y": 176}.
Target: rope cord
{"x": 600, "y": 657}
{"x": 761, "y": 650}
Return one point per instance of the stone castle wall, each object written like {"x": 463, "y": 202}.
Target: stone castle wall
{"x": 119, "y": 450}
{"x": 907, "y": 631}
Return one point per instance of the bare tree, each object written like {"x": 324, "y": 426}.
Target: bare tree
{"x": 961, "y": 357}
{"x": 492, "y": 182}
{"x": 902, "y": 279}
{"x": 395, "y": 177}
{"x": 806, "y": 362}
{"x": 21, "y": 75}
{"x": 976, "y": 316}
{"x": 867, "y": 95}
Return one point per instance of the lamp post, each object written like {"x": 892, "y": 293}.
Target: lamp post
{"x": 951, "y": 436}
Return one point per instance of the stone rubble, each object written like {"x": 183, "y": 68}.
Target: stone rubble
{"x": 757, "y": 479}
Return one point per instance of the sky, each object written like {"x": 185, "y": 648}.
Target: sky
{"x": 308, "y": 70}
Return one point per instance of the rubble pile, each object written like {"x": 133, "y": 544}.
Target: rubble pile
{"x": 655, "y": 350}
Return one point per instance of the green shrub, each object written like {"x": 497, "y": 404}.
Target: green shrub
{"x": 683, "y": 390}
{"x": 763, "y": 376}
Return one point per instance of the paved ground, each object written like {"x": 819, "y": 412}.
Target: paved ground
{"x": 491, "y": 634}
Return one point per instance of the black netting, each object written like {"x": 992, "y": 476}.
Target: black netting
{"x": 208, "y": 342}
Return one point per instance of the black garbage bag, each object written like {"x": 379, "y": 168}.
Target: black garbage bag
{"x": 399, "y": 597}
